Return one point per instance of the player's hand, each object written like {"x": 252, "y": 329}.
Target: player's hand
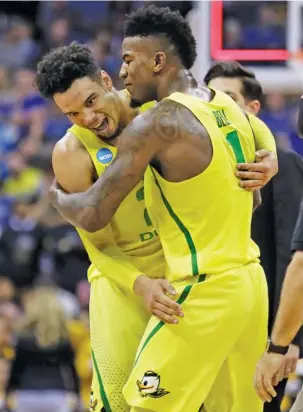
{"x": 254, "y": 176}
{"x": 54, "y": 191}
{"x": 154, "y": 293}
{"x": 267, "y": 375}
{"x": 291, "y": 359}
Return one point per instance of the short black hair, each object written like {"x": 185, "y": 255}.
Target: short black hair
{"x": 162, "y": 21}
{"x": 251, "y": 87}
{"x": 59, "y": 68}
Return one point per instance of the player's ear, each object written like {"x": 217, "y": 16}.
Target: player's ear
{"x": 253, "y": 107}
{"x": 159, "y": 61}
{"x": 106, "y": 80}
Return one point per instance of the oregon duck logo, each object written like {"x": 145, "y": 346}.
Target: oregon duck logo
{"x": 150, "y": 386}
{"x": 93, "y": 403}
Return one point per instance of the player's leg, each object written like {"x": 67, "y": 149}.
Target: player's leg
{"x": 176, "y": 365}
{"x": 233, "y": 389}
{"x": 117, "y": 323}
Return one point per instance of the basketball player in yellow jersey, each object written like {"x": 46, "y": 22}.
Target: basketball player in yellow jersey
{"x": 189, "y": 145}
{"x": 129, "y": 246}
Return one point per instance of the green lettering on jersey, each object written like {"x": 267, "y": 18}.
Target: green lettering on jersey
{"x": 140, "y": 197}
{"x": 147, "y": 236}
{"x": 221, "y": 118}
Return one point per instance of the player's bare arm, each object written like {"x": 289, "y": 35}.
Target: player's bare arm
{"x": 74, "y": 173}
{"x": 140, "y": 143}
{"x": 98, "y": 204}
{"x": 258, "y": 174}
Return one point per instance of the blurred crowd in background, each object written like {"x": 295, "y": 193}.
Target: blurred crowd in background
{"x": 42, "y": 262}
{"x": 255, "y": 26}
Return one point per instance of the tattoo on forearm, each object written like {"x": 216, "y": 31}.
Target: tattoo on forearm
{"x": 165, "y": 123}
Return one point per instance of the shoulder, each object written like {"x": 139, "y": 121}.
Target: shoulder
{"x": 68, "y": 144}
{"x": 69, "y": 148}
{"x": 72, "y": 165}
{"x": 168, "y": 120}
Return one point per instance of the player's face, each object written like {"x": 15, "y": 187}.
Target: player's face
{"x": 232, "y": 87}
{"x": 91, "y": 104}
{"x": 137, "y": 70}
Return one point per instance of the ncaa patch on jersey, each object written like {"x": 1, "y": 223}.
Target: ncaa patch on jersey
{"x": 104, "y": 156}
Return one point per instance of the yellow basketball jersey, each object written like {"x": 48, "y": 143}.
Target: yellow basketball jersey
{"x": 131, "y": 226}
{"x": 204, "y": 222}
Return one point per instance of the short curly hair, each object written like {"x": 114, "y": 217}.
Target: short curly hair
{"x": 162, "y": 21}
{"x": 59, "y": 68}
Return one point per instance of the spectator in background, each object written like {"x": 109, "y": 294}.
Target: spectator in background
{"x": 8, "y": 132}
{"x": 7, "y": 290}
{"x": 21, "y": 179}
{"x": 58, "y": 34}
{"x": 63, "y": 247}
{"x": 102, "y": 51}
{"x": 49, "y": 11}
{"x": 43, "y": 373}
{"x": 56, "y": 125}
{"x": 20, "y": 245}
{"x": 6, "y": 338}
{"x": 17, "y": 46}
{"x": 232, "y": 34}
{"x": 5, "y": 84}
{"x": 279, "y": 118}
{"x": 4, "y": 376}
{"x": 29, "y": 113}
{"x": 267, "y": 33}
{"x": 79, "y": 333}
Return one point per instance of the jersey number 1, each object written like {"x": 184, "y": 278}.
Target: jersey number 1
{"x": 234, "y": 141}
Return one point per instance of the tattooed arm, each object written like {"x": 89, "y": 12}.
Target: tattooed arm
{"x": 138, "y": 144}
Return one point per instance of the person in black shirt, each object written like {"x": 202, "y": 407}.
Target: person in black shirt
{"x": 288, "y": 321}
{"x": 43, "y": 375}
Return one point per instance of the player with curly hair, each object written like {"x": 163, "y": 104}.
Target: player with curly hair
{"x": 128, "y": 249}
{"x": 99, "y": 113}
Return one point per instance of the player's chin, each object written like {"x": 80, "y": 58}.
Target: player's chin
{"x": 112, "y": 133}
{"x": 135, "y": 102}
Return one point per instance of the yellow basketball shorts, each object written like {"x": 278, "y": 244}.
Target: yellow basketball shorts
{"x": 117, "y": 323}
{"x": 209, "y": 358}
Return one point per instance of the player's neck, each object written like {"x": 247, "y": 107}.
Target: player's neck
{"x": 126, "y": 112}
{"x": 176, "y": 80}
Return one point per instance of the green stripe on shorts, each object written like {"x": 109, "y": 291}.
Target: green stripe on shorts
{"x": 106, "y": 404}
{"x": 156, "y": 329}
